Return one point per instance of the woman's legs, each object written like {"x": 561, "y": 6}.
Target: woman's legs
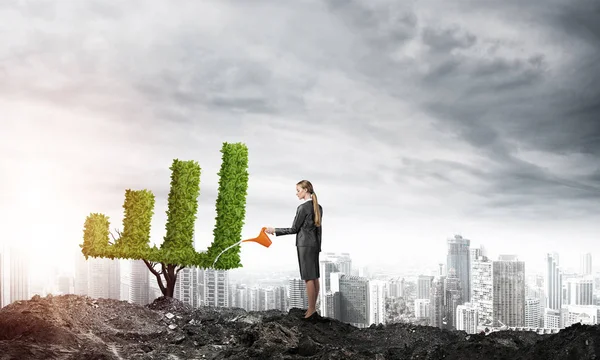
{"x": 308, "y": 259}
{"x": 312, "y": 297}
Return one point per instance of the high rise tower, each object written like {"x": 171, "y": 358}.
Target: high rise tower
{"x": 459, "y": 259}
{"x": 586, "y": 264}
{"x": 509, "y": 291}
{"x": 553, "y": 282}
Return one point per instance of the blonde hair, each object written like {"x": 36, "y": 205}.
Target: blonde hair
{"x": 306, "y": 185}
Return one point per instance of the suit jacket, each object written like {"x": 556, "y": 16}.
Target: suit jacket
{"x": 307, "y": 233}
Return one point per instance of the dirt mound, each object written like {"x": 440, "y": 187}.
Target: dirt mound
{"x": 169, "y": 304}
{"x": 76, "y": 327}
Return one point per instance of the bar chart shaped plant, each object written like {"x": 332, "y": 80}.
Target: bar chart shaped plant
{"x": 176, "y": 251}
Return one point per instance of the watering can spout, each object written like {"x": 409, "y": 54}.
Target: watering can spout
{"x": 262, "y": 238}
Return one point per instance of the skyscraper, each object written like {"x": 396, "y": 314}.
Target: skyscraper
{"x": 216, "y": 287}
{"x": 81, "y": 274}
{"x": 377, "y": 313}
{"x": 459, "y": 259}
{"x": 437, "y": 308}
{"x": 580, "y": 291}
{"x": 331, "y": 263}
{"x": 452, "y": 298}
{"x": 586, "y": 264}
{"x": 139, "y": 283}
{"x": 467, "y": 318}
{"x": 333, "y": 300}
{"x": 553, "y": 283}
{"x": 354, "y": 291}
{"x": 482, "y": 294}
{"x": 18, "y": 275}
{"x": 280, "y": 298}
{"x": 298, "y": 297}
{"x": 475, "y": 253}
{"x": 532, "y": 312}
{"x": 509, "y": 291}
{"x": 422, "y": 309}
{"x": 104, "y": 279}
{"x": 186, "y": 287}
{"x": 424, "y": 286}
{"x": 396, "y": 288}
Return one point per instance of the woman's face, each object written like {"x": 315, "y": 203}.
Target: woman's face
{"x": 300, "y": 192}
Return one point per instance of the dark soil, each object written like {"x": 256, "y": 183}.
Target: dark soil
{"x": 76, "y": 327}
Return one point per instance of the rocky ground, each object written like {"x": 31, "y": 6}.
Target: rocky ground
{"x": 75, "y": 327}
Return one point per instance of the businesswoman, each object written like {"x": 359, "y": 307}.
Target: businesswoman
{"x": 307, "y": 227}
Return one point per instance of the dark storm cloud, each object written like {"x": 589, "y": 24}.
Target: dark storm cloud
{"x": 383, "y": 25}
{"x": 460, "y": 78}
{"x": 200, "y": 80}
{"x": 446, "y": 39}
{"x": 181, "y": 68}
{"x": 499, "y": 105}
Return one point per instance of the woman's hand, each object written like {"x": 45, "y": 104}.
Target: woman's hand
{"x": 270, "y": 230}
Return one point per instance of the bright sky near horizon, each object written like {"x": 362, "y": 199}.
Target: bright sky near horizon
{"x": 414, "y": 120}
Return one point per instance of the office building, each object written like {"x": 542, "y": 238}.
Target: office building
{"x": 422, "y": 309}
{"x": 331, "y": 263}
{"x": 586, "y": 264}
{"x": 377, "y": 298}
{"x": 580, "y": 290}
{"x": 533, "y": 312}
{"x": 482, "y": 292}
{"x": 424, "y": 286}
{"x": 354, "y": 306}
{"x": 467, "y": 318}
{"x": 215, "y": 287}
{"x": 459, "y": 259}
{"x": 553, "y": 282}
{"x": 297, "y": 294}
{"x": 437, "y": 308}
{"x": 139, "y": 283}
{"x": 509, "y": 291}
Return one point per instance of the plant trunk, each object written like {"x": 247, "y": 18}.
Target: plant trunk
{"x": 170, "y": 277}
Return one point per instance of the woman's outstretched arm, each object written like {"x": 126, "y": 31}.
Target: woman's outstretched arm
{"x": 298, "y": 220}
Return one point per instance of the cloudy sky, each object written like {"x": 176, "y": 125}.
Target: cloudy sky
{"x": 415, "y": 120}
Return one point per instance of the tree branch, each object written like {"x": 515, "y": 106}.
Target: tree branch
{"x": 153, "y": 265}
{"x": 178, "y": 270}
{"x": 164, "y": 271}
{"x": 113, "y": 236}
{"x": 158, "y": 277}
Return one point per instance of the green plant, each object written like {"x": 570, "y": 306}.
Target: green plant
{"x": 177, "y": 252}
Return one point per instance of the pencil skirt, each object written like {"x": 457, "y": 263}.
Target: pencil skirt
{"x": 308, "y": 261}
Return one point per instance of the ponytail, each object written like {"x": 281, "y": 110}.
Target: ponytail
{"x": 305, "y": 184}
{"x": 316, "y": 209}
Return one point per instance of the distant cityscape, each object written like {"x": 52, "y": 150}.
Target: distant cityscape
{"x": 470, "y": 292}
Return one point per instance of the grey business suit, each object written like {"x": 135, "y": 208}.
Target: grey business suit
{"x": 308, "y": 239}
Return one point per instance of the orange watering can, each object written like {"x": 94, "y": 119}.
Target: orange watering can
{"x": 262, "y": 239}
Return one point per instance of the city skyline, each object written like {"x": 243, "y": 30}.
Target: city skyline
{"x": 502, "y": 292}
{"x": 415, "y": 123}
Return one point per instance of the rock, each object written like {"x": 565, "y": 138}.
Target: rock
{"x": 307, "y": 347}
{"x": 178, "y": 339}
